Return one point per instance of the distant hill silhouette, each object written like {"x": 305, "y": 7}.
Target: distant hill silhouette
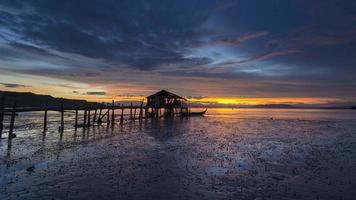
{"x": 29, "y": 99}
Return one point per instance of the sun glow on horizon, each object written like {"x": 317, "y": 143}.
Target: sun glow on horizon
{"x": 132, "y": 93}
{"x": 262, "y": 101}
{"x": 232, "y": 101}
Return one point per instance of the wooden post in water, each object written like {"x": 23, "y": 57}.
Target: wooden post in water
{"x": 12, "y": 121}
{"x": 122, "y": 115}
{"x": 146, "y": 111}
{"x": 94, "y": 119}
{"x": 76, "y": 119}
{"x": 85, "y": 118}
{"x": 100, "y": 110}
{"x": 89, "y": 118}
{"x": 113, "y": 113}
{"x": 134, "y": 116}
{"x": 2, "y": 106}
{"x": 131, "y": 110}
{"x": 141, "y": 111}
{"x": 45, "y": 117}
{"x": 108, "y": 117}
{"x": 62, "y": 116}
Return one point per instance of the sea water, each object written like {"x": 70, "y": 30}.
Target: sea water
{"x": 227, "y": 154}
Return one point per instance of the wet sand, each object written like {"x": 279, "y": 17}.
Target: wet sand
{"x": 225, "y": 155}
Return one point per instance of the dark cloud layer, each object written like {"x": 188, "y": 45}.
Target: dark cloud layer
{"x": 13, "y": 85}
{"x": 140, "y": 34}
{"x": 95, "y": 93}
{"x": 300, "y": 41}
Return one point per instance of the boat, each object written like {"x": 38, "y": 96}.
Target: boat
{"x": 195, "y": 113}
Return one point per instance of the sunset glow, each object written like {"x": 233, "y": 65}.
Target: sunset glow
{"x": 260, "y": 101}
{"x": 277, "y": 53}
{"x": 178, "y": 99}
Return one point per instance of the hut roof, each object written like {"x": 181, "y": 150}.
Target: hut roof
{"x": 165, "y": 94}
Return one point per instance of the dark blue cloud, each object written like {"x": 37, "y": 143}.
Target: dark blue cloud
{"x": 13, "y": 85}
{"x": 95, "y": 93}
{"x": 300, "y": 41}
{"x": 140, "y": 34}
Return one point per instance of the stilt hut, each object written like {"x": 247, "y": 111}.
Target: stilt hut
{"x": 166, "y": 102}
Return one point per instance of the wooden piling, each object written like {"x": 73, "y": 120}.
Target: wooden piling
{"x": 12, "y": 121}
{"x": 100, "y": 120}
{"x": 99, "y": 117}
{"x": 88, "y": 121}
{"x": 146, "y": 111}
{"x": 94, "y": 118}
{"x": 45, "y": 118}
{"x": 134, "y": 116}
{"x": 85, "y": 118}
{"x": 122, "y": 115}
{"x": 131, "y": 111}
{"x": 113, "y": 113}
{"x": 2, "y": 106}
{"x": 62, "y": 116}
{"x": 108, "y": 116}
{"x": 76, "y": 119}
{"x": 141, "y": 111}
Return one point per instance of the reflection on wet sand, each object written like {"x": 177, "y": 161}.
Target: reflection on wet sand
{"x": 221, "y": 156}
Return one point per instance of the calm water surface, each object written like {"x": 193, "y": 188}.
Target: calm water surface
{"x": 228, "y": 154}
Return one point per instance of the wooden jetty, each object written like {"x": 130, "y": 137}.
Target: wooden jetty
{"x": 160, "y": 104}
{"x": 92, "y": 115}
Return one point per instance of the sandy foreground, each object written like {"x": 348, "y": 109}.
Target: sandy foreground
{"x": 184, "y": 158}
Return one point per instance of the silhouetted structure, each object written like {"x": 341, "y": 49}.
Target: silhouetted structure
{"x": 162, "y": 103}
{"x": 9, "y": 107}
{"x": 167, "y": 102}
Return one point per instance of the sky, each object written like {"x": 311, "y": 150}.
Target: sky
{"x": 221, "y": 51}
